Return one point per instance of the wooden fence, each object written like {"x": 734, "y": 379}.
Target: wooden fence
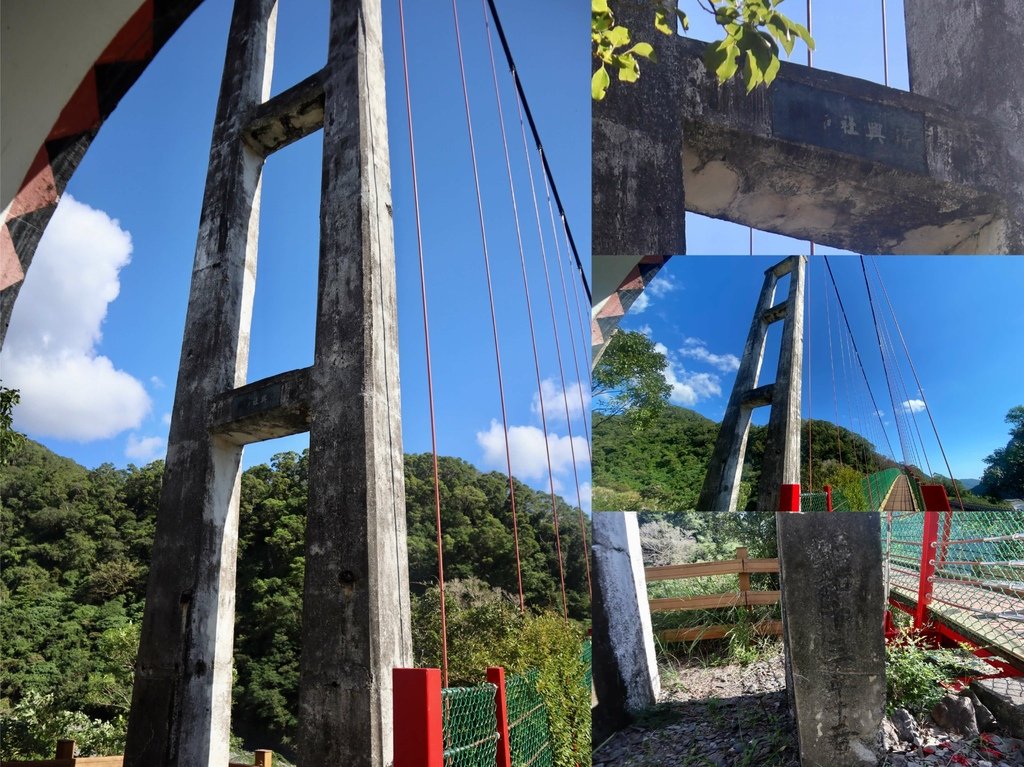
{"x": 65, "y": 757}
{"x": 742, "y": 566}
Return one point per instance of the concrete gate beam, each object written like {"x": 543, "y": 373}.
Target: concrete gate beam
{"x": 817, "y": 156}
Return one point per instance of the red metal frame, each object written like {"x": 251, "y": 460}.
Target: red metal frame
{"x": 828, "y": 497}
{"x": 417, "y": 715}
{"x": 789, "y": 498}
{"x": 496, "y": 676}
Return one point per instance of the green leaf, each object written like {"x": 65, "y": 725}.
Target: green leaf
{"x": 753, "y": 75}
{"x": 643, "y": 49}
{"x": 599, "y": 83}
{"x": 683, "y": 20}
{"x": 771, "y": 70}
{"x": 629, "y": 74}
{"x": 618, "y": 36}
{"x": 599, "y": 6}
{"x": 721, "y": 58}
{"x": 661, "y": 22}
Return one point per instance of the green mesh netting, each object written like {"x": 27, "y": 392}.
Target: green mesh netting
{"x": 978, "y": 585}
{"x": 470, "y": 726}
{"x": 587, "y": 656}
{"x": 528, "y": 735}
{"x": 877, "y": 486}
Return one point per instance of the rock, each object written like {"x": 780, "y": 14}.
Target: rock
{"x": 956, "y": 715}
{"x": 906, "y": 727}
{"x": 890, "y": 738}
{"x": 986, "y": 720}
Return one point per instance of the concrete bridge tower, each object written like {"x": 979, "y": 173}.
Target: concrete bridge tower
{"x": 355, "y": 608}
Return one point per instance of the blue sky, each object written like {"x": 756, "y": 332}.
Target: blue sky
{"x": 95, "y": 338}
{"x": 960, "y": 316}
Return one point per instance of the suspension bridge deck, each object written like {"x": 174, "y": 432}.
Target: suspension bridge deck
{"x": 978, "y": 613}
{"x": 900, "y": 497}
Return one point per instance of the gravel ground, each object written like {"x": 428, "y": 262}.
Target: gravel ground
{"x": 737, "y": 716}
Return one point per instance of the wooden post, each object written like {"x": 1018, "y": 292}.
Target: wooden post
{"x": 496, "y": 676}
{"x": 417, "y": 716}
{"x": 741, "y": 555}
{"x": 264, "y": 758}
{"x": 65, "y": 749}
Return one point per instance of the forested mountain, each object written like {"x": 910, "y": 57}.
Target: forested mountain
{"x": 661, "y": 468}
{"x": 74, "y": 561}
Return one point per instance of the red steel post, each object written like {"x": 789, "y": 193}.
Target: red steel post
{"x": 828, "y": 497}
{"x": 789, "y": 498}
{"x": 496, "y": 676}
{"x": 928, "y": 554}
{"x": 417, "y": 707}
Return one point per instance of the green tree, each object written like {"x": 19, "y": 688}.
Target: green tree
{"x": 1004, "y": 475}
{"x": 753, "y": 31}
{"x": 10, "y": 440}
{"x": 629, "y": 380}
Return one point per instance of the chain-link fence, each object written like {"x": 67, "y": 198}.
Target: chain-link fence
{"x": 528, "y": 733}
{"x": 875, "y": 488}
{"x": 469, "y": 726}
{"x": 973, "y": 572}
{"x": 588, "y": 655}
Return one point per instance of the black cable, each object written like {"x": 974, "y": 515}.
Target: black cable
{"x": 540, "y": 146}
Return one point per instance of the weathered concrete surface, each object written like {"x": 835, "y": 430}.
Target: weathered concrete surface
{"x": 833, "y": 601}
{"x": 720, "y": 491}
{"x": 781, "y": 462}
{"x": 819, "y": 156}
{"x": 1005, "y": 699}
{"x": 636, "y": 146}
{"x": 268, "y": 409}
{"x": 181, "y": 701}
{"x": 957, "y": 54}
{"x": 288, "y": 117}
{"x": 626, "y": 676}
{"x": 356, "y": 598}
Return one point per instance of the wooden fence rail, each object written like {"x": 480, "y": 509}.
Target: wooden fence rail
{"x": 742, "y": 566}
{"x": 65, "y": 757}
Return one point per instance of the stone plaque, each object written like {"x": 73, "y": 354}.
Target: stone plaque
{"x": 256, "y": 401}
{"x": 848, "y": 124}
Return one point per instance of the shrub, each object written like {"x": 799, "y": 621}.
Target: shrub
{"x": 486, "y": 628}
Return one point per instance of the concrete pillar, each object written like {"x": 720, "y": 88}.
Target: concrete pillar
{"x": 833, "y": 605}
{"x": 356, "y": 601}
{"x": 957, "y": 54}
{"x": 720, "y": 491}
{"x": 626, "y": 676}
{"x": 781, "y": 463}
{"x": 638, "y": 203}
{"x": 181, "y": 702}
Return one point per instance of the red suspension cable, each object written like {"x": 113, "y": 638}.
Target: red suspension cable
{"x": 924, "y": 399}
{"x": 426, "y": 341}
{"x": 526, "y": 286}
{"x": 540, "y": 392}
{"x": 565, "y": 395}
{"x": 487, "y": 259}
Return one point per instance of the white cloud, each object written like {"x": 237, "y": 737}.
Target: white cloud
{"x": 165, "y": 419}
{"x": 585, "y": 492}
{"x": 157, "y": 382}
{"x": 913, "y": 405}
{"x": 645, "y": 330}
{"x": 694, "y": 348}
{"x": 661, "y": 286}
{"x": 146, "y": 449}
{"x": 526, "y": 443}
{"x": 68, "y": 391}
{"x": 640, "y": 305}
{"x": 687, "y": 388}
{"x": 554, "y": 405}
